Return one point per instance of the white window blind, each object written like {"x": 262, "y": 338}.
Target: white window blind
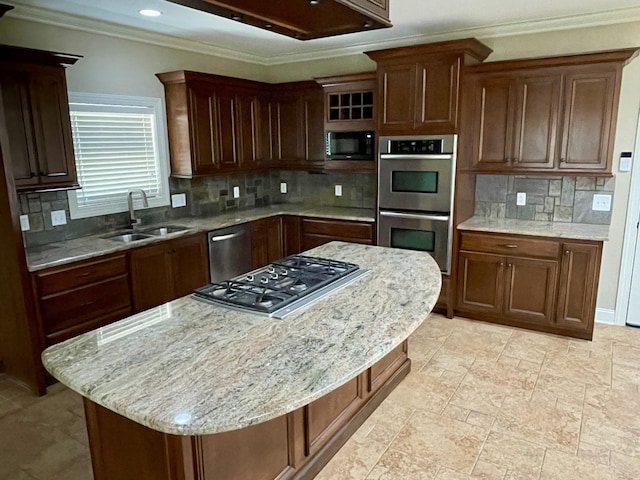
{"x": 119, "y": 146}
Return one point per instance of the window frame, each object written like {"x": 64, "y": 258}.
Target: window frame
{"x": 161, "y": 146}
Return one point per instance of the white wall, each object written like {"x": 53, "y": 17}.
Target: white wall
{"x": 119, "y": 66}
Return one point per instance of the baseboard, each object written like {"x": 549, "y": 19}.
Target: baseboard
{"x": 605, "y": 315}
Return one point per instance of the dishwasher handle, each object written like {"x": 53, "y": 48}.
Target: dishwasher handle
{"x": 221, "y": 238}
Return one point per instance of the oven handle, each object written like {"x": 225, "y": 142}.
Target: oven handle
{"x": 418, "y": 216}
{"x": 424, "y": 156}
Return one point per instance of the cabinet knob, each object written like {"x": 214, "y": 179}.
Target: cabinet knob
{"x": 510, "y": 245}
{"x": 566, "y": 252}
{"x": 501, "y": 264}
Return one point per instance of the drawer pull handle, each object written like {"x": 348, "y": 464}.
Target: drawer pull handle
{"x": 86, "y": 274}
{"x": 510, "y": 245}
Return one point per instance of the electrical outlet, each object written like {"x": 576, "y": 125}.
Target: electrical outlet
{"x": 283, "y": 187}
{"x": 601, "y": 203}
{"x": 178, "y": 200}
{"x": 338, "y": 190}
{"x": 521, "y": 198}
{"x": 24, "y": 223}
{"x": 58, "y": 217}
{"x": 236, "y": 192}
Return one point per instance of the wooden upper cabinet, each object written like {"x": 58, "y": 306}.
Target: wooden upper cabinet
{"x": 590, "y": 111}
{"x": 515, "y": 120}
{"x": 554, "y": 114}
{"x": 216, "y": 124}
{"x": 418, "y": 87}
{"x": 349, "y": 101}
{"x": 34, "y": 99}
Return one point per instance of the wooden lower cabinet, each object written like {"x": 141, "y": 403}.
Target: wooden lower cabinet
{"x": 318, "y": 231}
{"x": 165, "y": 271}
{"x": 266, "y": 241}
{"x": 291, "y": 235}
{"x": 293, "y": 446}
{"x": 544, "y": 284}
{"x": 81, "y": 296}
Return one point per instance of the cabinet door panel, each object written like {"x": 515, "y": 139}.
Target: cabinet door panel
{"x": 17, "y": 112}
{"x": 493, "y": 126}
{"x": 249, "y": 135}
{"x": 202, "y": 126}
{"x": 313, "y": 104}
{"x": 396, "y": 97}
{"x": 289, "y": 130}
{"x": 189, "y": 264}
{"x": 530, "y": 289}
{"x": 536, "y": 122}
{"x": 225, "y": 131}
{"x": 578, "y": 286}
{"x": 151, "y": 279}
{"x": 437, "y": 95}
{"x": 589, "y": 99}
{"x": 290, "y": 235}
{"x": 480, "y": 282}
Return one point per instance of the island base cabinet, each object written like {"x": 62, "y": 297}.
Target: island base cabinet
{"x": 295, "y": 446}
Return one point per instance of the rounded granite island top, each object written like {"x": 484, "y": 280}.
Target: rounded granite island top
{"x": 191, "y": 368}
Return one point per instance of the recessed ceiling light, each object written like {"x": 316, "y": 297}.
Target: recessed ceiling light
{"x": 147, "y": 12}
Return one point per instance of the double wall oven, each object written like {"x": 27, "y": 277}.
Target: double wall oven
{"x": 416, "y": 178}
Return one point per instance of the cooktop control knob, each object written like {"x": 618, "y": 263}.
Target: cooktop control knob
{"x": 264, "y": 279}
{"x": 284, "y": 272}
{"x": 249, "y": 278}
{"x": 271, "y": 269}
{"x": 274, "y": 276}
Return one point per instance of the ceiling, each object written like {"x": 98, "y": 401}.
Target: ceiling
{"x": 414, "y": 21}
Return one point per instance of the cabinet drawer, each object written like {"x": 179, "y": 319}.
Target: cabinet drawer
{"x": 525, "y": 247}
{"x": 335, "y": 228}
{"x": 71, "y": 276}
{"x": 70, "y": 308}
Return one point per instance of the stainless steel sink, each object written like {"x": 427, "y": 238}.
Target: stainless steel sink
{"x": 128, "y": 237}
{"x": 164, "y": 230}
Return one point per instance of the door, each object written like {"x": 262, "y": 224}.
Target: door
{"x": 480, "y": 282}
{"x": 189, "y": 266}
{"x": 530, "y": 287}
{"x": 396, "y": 97}
{"x": 588, "y": 116}
{"x": 151, "y": 280}
{"x": 225, "y": 130}
{"x": 249, "y": 134}
{"x": 202, "y": 128}
{"x": 536, "y": 122}
{"x": 493, "y": 100}
{"x": 436, "y": 108}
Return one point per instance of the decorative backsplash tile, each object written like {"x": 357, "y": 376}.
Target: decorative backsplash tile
{"x": 557, "y": 199}
{"x": 205, "y": 196}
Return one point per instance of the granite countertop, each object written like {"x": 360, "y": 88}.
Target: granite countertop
{"x": 60, "y": 253}
{"x": 191, "y": 368}
{"x": 575, "y": 231}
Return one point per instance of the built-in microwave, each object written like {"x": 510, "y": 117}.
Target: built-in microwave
{"x": 353, "y": 145}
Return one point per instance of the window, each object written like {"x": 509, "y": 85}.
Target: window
{"x": 120, "y": 145}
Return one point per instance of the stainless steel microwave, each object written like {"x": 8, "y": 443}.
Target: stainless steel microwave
{"x": 353, "y": 145}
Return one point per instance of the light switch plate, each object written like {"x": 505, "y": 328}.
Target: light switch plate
{"x": 283, "y": 187}
{"x": 236, "y": 192}
{"x": 338, "y": 190}
{"x": 601, "y": 203}
{"x": 178, "y": 200}
{"x": 521, "y": 198}
{"x": 58, "y": 217}
{"x": 24, "y": 223}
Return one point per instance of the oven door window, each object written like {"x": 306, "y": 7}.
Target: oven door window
{"x": 414, "y": 181}
{"x": 423, "y": 240}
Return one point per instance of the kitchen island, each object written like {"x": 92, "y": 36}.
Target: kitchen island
{"x": 190, "y": 390}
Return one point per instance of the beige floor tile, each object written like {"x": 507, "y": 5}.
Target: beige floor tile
{"x": 385, "y": 423}
{"x": 424, "y": 392}
{"x": 520, "y": 458}
{"x": 480, "y": 419}
{"x": 561, "y": 388}
{"x": 533, "y": 346}
{"x": 592, "y": 371}
{"x": 437, "y": 327}
{"x": 486, "y": 385}
{"x": 627, "y": 466}
{"x": 593, "y": 453}
{"x": 488, "y": 471}
{"x": 354, "y": 461}
{"x": 625, "y": 377}
{"x": 611, "y": 420}
{"x": 396, "y": 465}
{"x": 628, "y": 355}
{"x": 540, "y": 423}
{"x": 481, "y": 343}
{"x": 603, "y": 333}
{"x": 563, "y": 466}
{"x": 448, "y": 474}
{"x": 448, "y": 442}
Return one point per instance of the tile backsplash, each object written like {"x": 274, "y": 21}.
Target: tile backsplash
{"x": 557, "y": 199}
{"x": 205, "y": 196}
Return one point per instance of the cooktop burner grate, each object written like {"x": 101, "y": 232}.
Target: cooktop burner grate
{"x": 291, "y": 280}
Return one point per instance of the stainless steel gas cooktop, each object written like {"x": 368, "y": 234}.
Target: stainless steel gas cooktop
{"x": 282, "y": 287}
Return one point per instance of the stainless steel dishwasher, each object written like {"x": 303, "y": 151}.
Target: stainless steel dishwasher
{"x": 229, "y": 252}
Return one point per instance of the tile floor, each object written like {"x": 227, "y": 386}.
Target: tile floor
{"x": 482, "y": 402}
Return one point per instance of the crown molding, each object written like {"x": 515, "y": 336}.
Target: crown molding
{"x": 626, "y": 15}
{"x": 83, "y": 24}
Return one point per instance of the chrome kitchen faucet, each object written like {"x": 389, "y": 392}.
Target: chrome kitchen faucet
{"x": 133, "y": 221}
